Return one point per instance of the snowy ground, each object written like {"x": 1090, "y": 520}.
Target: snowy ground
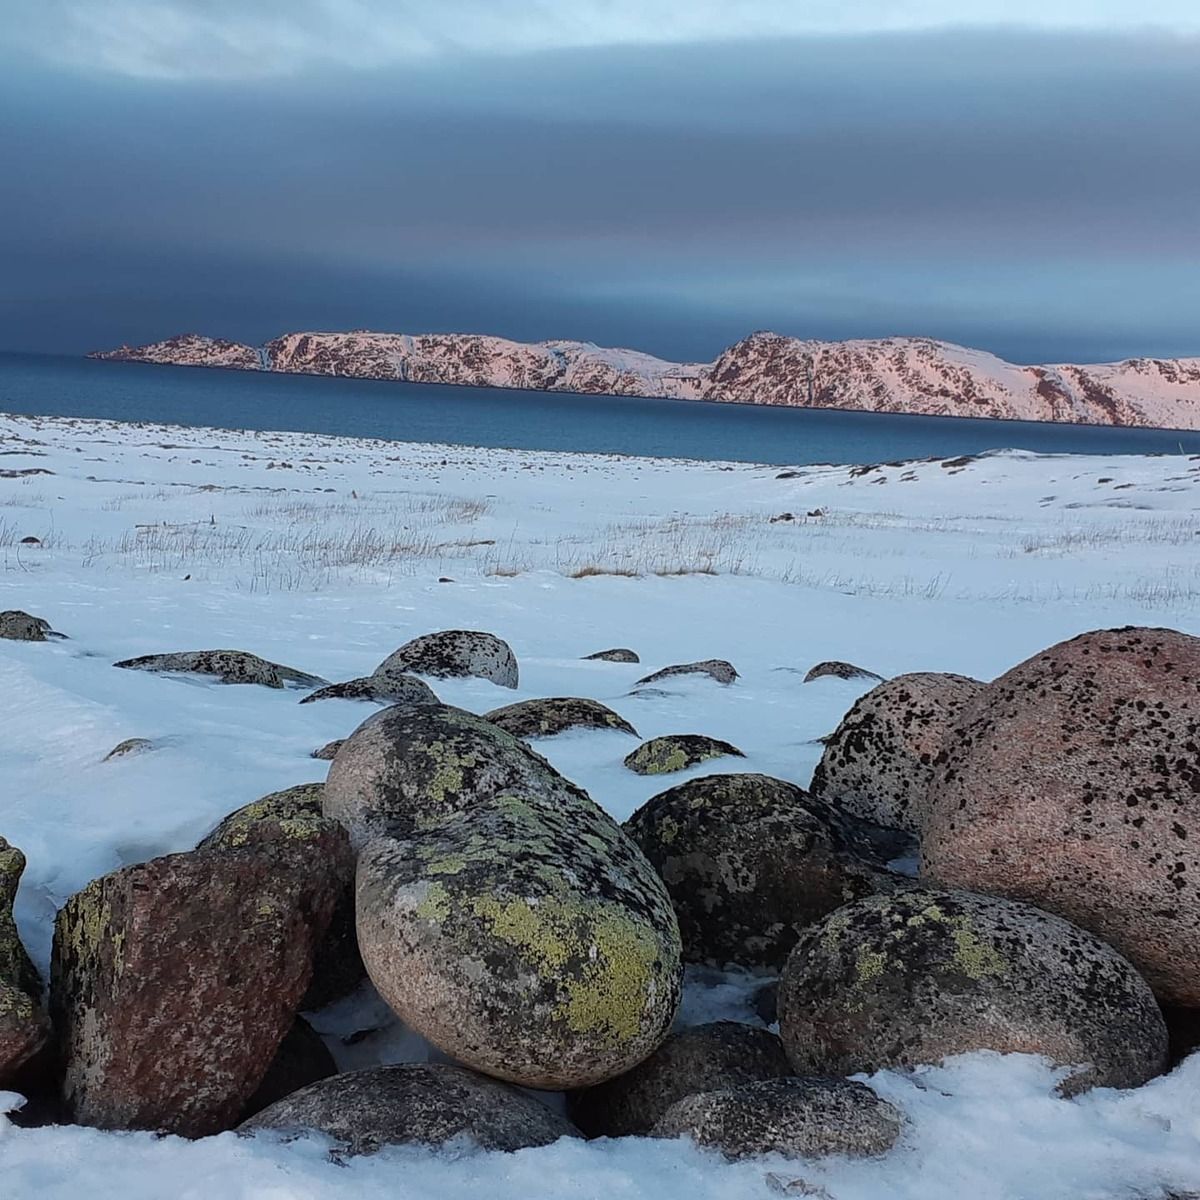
{"x": 326, "y": 554}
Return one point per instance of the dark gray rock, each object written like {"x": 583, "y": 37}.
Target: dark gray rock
{"x": 456, "y": 653}
{"x": 704, "y": 1058}
{"x": 678, "y": 752}
{"x": 302, "y": 1059}
{"x": 919, "y": 976}
{"x": 414, "y": 1103}
{"x": 554, "y": 715}
{"x": 383, "y": 687}
{"x": 714, "y": 668}
{"x": 799, "y": 1117}
{"x": 839, "y": 670}
{"x": 620, "y": 655}
{"x": 227, "y": 666}
{"x": 24, "y": 1029}
{"x": 18, "y": 626}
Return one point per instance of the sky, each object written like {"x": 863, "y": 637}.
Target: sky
{"x": 663, "y": 174}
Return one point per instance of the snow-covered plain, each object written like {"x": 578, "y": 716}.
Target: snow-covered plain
{"x": 326, "y": 554}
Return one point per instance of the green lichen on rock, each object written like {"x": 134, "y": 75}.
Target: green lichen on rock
{"x": 294, "y": 814}
{"x": 554, "y": 715}
{"x": 677, "y": 752}
{"x": 24, "y": 1029}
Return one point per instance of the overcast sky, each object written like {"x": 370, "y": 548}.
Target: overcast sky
{"x": 665, "y": 174}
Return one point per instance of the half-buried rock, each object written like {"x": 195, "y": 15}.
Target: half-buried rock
{"x": 839, "y": 670}
{"x": 618, "y": 655}
{"x": 914, "y": 978}
{"x": 456, "y": 653}
{"x": 678, "y": 752}
{"x": 879, "y": 762}
{"x": 388, "y": 686}
{"x": 554, "y": 715}
{"x": 24, "y": 1029}
{"x": 749, "y": 862}
{"x": 714, "y": 668}
{"x": 18, "y": 626}
{"x": 414, "y": 1103}
{"x": 173, "y": 982}
{"x": 1073, "y": 783}
{"x": 227, "y": 666}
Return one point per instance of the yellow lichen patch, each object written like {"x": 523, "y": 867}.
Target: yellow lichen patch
{"x": 869, "y": 965}
{"x": 972, "y": 957}
{"x": 15, "y": 1005}
{"x": 435, "y": 905}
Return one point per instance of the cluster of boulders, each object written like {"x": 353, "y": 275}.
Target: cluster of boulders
{"x": 1053, "y": 814}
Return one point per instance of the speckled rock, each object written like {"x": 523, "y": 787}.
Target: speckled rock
{"x": 383, "y": 687}
{"x": 878, "y": 763}
{"x": 18, "y": 626}
{"x": 302, "y": 1059}
{"x": 173, "y": 982}
{"x": 839, "y": 670}
{"x": 799, "y": 1117}
{"x": 705, "y": 1058}
{"x": 294, "y": 816}
{"x": 328, "y": 752}
{"x": 749, "y": 862}
{"x": 406, "y": 765}
{"x": 527, "y": 938}
{"x": 619, "y": 655}
{"x": 677, "y": 752}
{"x": 24, "y": 1030}
{"x": 228, "y": 666}
{"x": 415, "y": 1103}
{"x": 921, "y": 975}
{"x": 1072, "y": 783}
{"x": 545, "y": 718}
{"x": 130, "y": 747}
{"x": 456, "y": 653}
{"x": 714, "y": 668}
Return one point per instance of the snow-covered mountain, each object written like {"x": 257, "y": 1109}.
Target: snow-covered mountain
{"x": 902, "y": 375}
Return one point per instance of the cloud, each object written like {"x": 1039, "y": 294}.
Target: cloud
{"x": 245, "y": 39}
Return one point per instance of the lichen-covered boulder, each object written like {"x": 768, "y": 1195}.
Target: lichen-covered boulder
{"x": 677, "y": 752}
{"x": 328, "y": 752}
{"x": 618, "y": 655}
{"x": 18, "y": 626}
{"x": 425, "y": 1104}
{"x": 129, "y": 748}
{"x": 383, "y": 687}
{"x": 228, "y": 666}
{"x": 839, "y": 670}
{"x": 554, "y": 715}
{"x": 749, "y": 862}
{"x": 798, "y": 1117}
{"x": 705, "y": 1058}
{"x": 409, "y": 764}
{"x": 294, "y": 817}
{"x": 714, "y": 668}
{"x": 527, "y": 938}
{"x": 24, "y": 1030}
{"x": 897, "y": 981}
{"x": 878, "y": 764}
{"x": 456, "y": 653}
{"x": 1071, "y": 782}
{"x": 173, "y": 982}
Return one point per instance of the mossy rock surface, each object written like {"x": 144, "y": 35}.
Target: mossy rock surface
{"x": 618, "y": 655}
{"x": 705, "y": 1058}
{"x": 24, "y": 1029}
{"x": 913, "y": 978}
{"x": 227, "y": 666}
{"x": 455, "y": 653}
{"x": 18, "y": 626}
{"x": 800, "y": 1118}
{"x": 557, "y": 714}
{"x": 678, "y": 752}
{"x": 388, "y": 687}
{"x": 527, "y": 938}
{"x": 750, "y": 861}
{"x": 714, "y": 668}
{"x": 839, "y": 670}
{"x": 423, "y": 1104}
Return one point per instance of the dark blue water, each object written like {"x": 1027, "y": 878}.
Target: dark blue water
{"x": 415, "y": 412}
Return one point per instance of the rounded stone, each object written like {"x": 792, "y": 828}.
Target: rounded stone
{"x": 554, "y": 715}
{"x": 798, "y": 1117}
{"x": 878, "y": 764}
{"x": 839, "y": 670}
{"x": 424, "y": 1104}
{"x": 456, "y": 653}
{"x": 705, "y": 1058}
{"x": 388, "y": 687}
{"x": 919, "y": 976}
{"x": 227, "y": 666}
{"x": 678, "y": 752}
{"x": 749, "y": 862}
{"x": 18, "y": 626}
{"x": 1072, "y": 783}
{"x": 714, "y": 668}
{"x": 618, "y": 655}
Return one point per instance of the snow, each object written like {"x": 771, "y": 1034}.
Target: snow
{"x": 326, "y": 554}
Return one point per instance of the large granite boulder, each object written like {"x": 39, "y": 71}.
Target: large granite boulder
{"x": 173, "y": 982}
{"x": 1072, "y": 782}
{"x": 678, "y": 752}
{"x": 414, "y": 1103}
{"x": 749, "y": 862}
{"x": 456, "y": 653}
{"x": 554, "y": 715}
{"x": 705, "y": 1058}
{"x": 801, "y": 1118}
{"x": 227, "y": 666}
{"x": 878, "y": 764}
{"x": 24, "y": 1029}
{"x": 897, "y": 981}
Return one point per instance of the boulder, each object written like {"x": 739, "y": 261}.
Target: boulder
{"x": 414, "y": 1103}
{"x": 839, "y": 670}
{"x": 328, "y": 752}
{"x": 878, "y": 763}
{"x": 749, "y": 862}
{"x": 383, "y": 687}
{"x": 24, "y": 1030}
{"x": 714, "y": 668}
{"x": 545, "y": 718}
{"x": 913, "y": 978}
{"x": 228, "y": 666}
{"x": 1072, "y": 783}
{"x": 302, "y": 1059}
{"x": 456, "y": 653}
{"x": 130, "y": 747}
{"x": 619, "y": 655}
{"x": 801, "y": 1118}
{"x": 18, "y": 626}
{"x": 705, "y": 1058}
{"x": 173, "y": 982}
{"x": 677, "y": 752}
